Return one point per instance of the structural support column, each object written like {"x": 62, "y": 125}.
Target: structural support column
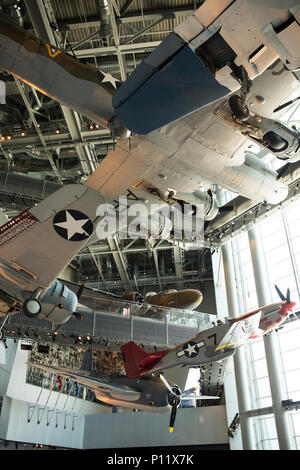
{"x": 270, "y": 342}
{"x": 241, "y": 378}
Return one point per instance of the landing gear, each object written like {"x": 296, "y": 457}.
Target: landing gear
{"x": 238, "y": 103}
{"x": 275, "y": 142}
{"x": 239, "y": 108}
{"x": 32, "y": 308}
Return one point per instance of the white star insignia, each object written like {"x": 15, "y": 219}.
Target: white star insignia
{"x": 73, "y": 226}
{"x": 190, "y": 349}
{"x": 107, "y": 77}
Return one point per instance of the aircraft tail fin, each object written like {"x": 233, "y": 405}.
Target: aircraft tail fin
{"x": 137, "y": 361}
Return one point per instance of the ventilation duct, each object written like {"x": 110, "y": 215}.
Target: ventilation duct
{"x": 105, "y": 18}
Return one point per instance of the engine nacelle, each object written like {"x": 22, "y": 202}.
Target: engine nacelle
{"x": 58, "y": 303}
{"x": 203, "y": 200}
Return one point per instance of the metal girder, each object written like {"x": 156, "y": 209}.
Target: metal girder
{"x": 86, "y": 39}
{"x": 121, "y": 59}
{"x": 100, "y": 250}
{"x": 133, "y": 18}
{"x": 148, "y": 281}
{"x": 126, "y": 7}
{"x": 155, "y": 257}
{"x": 119, "y": 258}
{"x": 58, "y": 141}
{"x": 40, "y": 20}
{"x": 113, "y": 50}
{"x": 178, "y": 267}
{"x": 98, "y": 266}
{"x": 20, "y": 87}
{"x": 144, "y": 30}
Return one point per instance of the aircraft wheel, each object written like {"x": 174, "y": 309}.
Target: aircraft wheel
{"x": 1, "y": 335}
{"x": 238, "y": 108}
{"x": 274, "y": 141}
{"x": 32, "y": 307}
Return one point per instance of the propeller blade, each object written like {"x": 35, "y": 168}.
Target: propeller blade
{"x": 173, "y": 416}
{"x": 190, "y": 390}
{"x": 279, "y": 293}
{"x": 166, "y": 384}
{"x": 288, "y": 296}
{"x": 80, "y": 290}
{"x": 199, "y": 397}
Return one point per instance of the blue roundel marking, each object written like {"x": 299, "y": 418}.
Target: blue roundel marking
{"x": 72, "y": 225}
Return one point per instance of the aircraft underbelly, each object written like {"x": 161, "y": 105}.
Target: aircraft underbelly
{"x": 129, "y": 404}
{"x": 195, "y": 159}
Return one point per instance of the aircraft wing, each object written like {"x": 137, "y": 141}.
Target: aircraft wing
{"x": 241, "y": 329}
{"x": 99, "y": 385}
{"x": 88, "y": 294}
{"x": 37, "y": 245}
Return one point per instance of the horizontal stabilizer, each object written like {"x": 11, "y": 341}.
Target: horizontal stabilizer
{"x": 137, "y": 361}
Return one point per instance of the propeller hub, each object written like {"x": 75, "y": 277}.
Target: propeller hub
{"x": 174, "y": 398}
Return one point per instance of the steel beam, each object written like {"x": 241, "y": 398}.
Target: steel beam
{"x": 132, "y": 18}
{"x": 99, "y": 267}
{"x": 121, "y": 59}
{"x": 119, "y": 259}
{"x": 20, "y": 87}
{"x": 179, "y": 266}
{"x": 113, "y": 50}
{"x": 147, "y": 28}
{"x": 40, "y": 20}
{"x": 155, "y": 257}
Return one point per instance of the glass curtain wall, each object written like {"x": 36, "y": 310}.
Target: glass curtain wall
{"x": 280, "y": 238}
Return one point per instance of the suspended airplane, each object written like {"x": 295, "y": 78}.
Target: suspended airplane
{"x": 188, "y": 299}
{"x": 37, "y": 245}
{"x": 147, "y": 394}
{"x": 187, "y": 127}
{"x": 184, "y": 130}
{"x": 214, "y": 344}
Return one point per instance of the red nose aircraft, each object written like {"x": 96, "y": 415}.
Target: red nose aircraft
{"x": 211, "y": 345}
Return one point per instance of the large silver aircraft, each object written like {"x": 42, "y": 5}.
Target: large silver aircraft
{"x": 190, "y": 113}
{"x": 177, "y": 124}
{"x": 147, "y": 394}
{"x": 211, "y": 345}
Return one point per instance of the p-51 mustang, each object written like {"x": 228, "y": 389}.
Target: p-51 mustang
{"x": 186, "y": 133}
{"x": 213, "y": 344}
{"x": 147, "y": 394}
